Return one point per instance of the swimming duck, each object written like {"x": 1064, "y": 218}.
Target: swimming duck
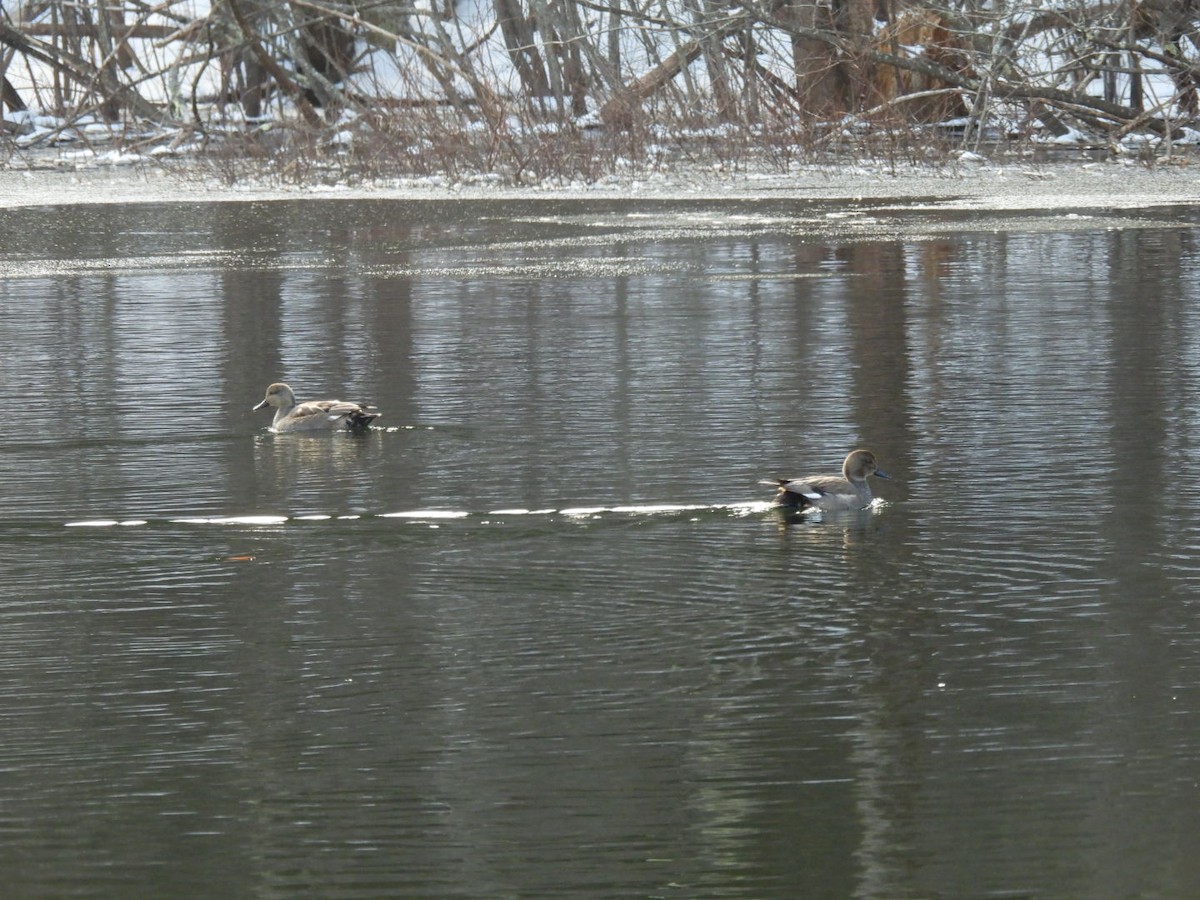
{"x": 315, "y": 415}
{"x": 846, "y": 491}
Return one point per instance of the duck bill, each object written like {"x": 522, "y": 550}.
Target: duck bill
{"x": 264, "y": 404}
{"x": 879, "y": 473}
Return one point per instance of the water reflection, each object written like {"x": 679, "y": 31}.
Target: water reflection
{"x": 539, "y": 632}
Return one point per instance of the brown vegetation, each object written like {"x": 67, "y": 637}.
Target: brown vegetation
{"x": 932, "y": 98}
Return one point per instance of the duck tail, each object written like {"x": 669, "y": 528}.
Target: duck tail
{"x": 785, "y": 499}
{"x": 792, "y": 500}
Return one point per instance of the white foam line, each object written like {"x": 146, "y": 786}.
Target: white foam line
{"x": 742, "y": 508}
{"x": 426, "y": 514}
{"x": 666, "y": 508}
{"x": 233, "y": 520}
{"x": 104, "y": 523}
{"x": 747, "y": 507}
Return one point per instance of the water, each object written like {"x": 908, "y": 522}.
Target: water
{"x": 538, "y": 634}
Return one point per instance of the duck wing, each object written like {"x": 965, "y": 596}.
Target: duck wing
{"x": 814, "y": 486}
{"x": 314, "y": 409}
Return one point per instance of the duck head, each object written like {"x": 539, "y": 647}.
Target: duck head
{"x": 279, "y": 395}
{"x": 860, "y": 464}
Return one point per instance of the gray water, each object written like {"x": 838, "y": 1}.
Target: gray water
{"x": 538, "y": 634}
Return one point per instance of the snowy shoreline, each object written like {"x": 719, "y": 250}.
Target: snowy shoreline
{"x": 983, "y": 186}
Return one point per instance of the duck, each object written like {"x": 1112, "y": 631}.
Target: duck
{"x": 831, "y": 492}
{"x": 314, "y": 415}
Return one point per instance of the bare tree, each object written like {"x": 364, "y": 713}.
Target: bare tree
{"x": 1104, "y": 67}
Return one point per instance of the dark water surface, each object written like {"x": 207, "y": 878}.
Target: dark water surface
{"x": 537, "y": 634}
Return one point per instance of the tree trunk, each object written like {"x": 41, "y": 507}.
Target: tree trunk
{"x": 618, "y": 110}
{"x": 818, "y": 85}
{"x": 518, "y": 31}
{"x": 285, "y": 81}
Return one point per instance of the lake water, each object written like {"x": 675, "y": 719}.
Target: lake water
{"x": 538, "y": 633}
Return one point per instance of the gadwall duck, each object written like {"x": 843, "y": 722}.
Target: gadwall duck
{"x": 846, "y": 491}
{"x": 315, "y": 415}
